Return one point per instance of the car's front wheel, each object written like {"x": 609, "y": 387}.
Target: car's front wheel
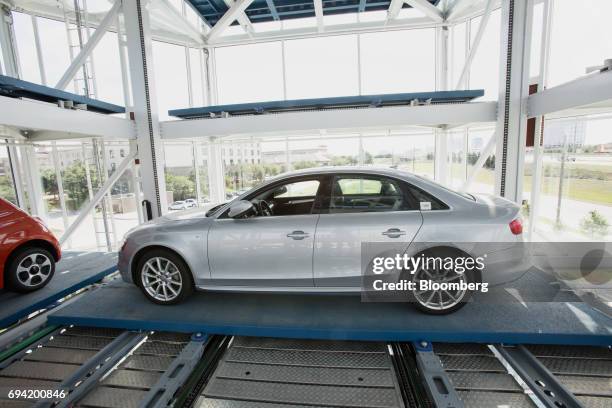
{"x": 164, "y": 277}
{"x": 30, "y": 269}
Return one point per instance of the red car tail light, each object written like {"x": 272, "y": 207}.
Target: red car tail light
{"x": 516, "y": 226}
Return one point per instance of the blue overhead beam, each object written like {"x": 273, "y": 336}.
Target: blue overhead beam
{"x": 335, "y": 102}
{"x": 17, "y": 88}
{"x": 273, "y": 10}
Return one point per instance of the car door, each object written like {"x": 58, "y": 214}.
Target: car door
{"x": 360, "y": 208}
{"x": 271, "y": 250}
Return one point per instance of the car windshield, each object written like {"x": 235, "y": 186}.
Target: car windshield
{"x": 177, "y": 203}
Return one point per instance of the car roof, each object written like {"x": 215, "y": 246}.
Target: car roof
{"x": 346, "y": 169}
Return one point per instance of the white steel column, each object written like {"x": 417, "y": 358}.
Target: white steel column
{"x": 33, "y": 181}
{"x": 215, "y": 171}
{"x": 60, "y": 187}
{"x": 514, "y": 89}
{"x": 196, "y": 163}
{"x": 90, "y": 193}
{"x": 39, "y": 54}
{"x": 150, "y": 150}
{"x": 7, "y": 43}
{"x": 15, "y": 166}
{"x": 538, "y": 140}
{"x": 441, "y": 165}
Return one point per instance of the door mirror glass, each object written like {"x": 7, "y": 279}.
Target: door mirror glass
{"x": 240, "y": 209}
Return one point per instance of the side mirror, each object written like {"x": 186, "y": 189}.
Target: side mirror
{"x": 240, "y": 208}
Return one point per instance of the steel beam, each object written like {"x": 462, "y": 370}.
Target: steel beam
{"x": 8, "y": 47}
{"x": 538, "y": 378}
{"x": 514, "y": 89}
{"x": 243, "y": 19}
{"x": 318, "y": 6}
{"x": 175, "y": 376}
{"x": 484, "y": 155}
{"x": 428, "y": 9}
{"x": 98, "y": 197}
{"x": 37, "y": 116}
{"x": 150, "y": 149}
{"x": 437, "y": 384}
{"x": 394, "y": 8}
{"x": 585, "y": 91}
{"x": 474, "y": 49}
{"x": 228, "y": 18}
{"x": 85, "y": 52}
{"x": 396, "y": 116}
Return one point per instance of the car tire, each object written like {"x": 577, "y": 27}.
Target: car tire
{"x": 164, "y": 277}
{"x": 445, "y": 305}
{"x": 30, "y": 269}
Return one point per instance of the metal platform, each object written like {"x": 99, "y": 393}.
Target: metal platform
{"x": 17, "y": 88}
{"x": 339, "y": 318}
{"x": 363, "y": 101}
{"x": 75, "y": 271}
{"x": 303, "y": 372}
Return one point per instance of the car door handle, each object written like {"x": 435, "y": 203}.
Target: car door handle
{"x": 394, "y": 233}
{"x": 298, "y": 235}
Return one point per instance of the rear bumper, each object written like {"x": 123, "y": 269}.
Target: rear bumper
{"x": 506, "y": 265}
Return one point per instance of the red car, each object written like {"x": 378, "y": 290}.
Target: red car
{"x": 28, "y": 250}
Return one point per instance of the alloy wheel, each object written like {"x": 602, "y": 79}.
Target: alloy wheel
{"x": 161, "y": 279}
{"x": 34, "y": 269}
{"x": 439, "y": 299}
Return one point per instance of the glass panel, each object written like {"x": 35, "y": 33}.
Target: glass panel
{"x": 26, "y": 47}
{"x": 180, "y": 172}
{"x": 578, "y": 38}
{"x": 170, "y": 77}
{"x": 7, "y": 188}
{"x": 485, "y": 179}
{"x": 484, "y": 72}
{"x": 250, "y": 73}
{"x": 409, "y": 67}
{"x": 575, "y": 193}
{"x": 321, "y": 67}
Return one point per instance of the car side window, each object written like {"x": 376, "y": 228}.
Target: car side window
{"x": 422, "y": 197}
{"x": 292, "y": 198}
{"x": 354, "y": 193}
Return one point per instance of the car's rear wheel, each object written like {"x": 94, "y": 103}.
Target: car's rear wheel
{"x": 164, "y": 277}
{"x": 30, "y": 269}
{"x": 438, "y": 299}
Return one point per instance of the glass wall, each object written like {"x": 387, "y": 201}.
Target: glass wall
{"x": 578, "y": 38}
{"x": 7, "y": 188}
{"x": 575, "y": 189}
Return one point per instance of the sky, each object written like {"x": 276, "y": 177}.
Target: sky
{"x": 394, "y": 61}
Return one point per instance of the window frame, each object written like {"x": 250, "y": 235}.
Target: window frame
{"x": 315, "y": 209}
{"x": 326, "y": 198}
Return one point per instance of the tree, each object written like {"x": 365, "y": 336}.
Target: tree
{"x": 181, "y": 186}
{"x": 6, "y": 189}
{"x": 595, "y": 224}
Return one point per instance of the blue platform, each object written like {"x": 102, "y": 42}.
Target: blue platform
{"x": 273, "y": 10}
{"x": 335, "y": 102}
{"x": 17, "y": 88}
{"x": 122, "y": 305}
{"x": 75, "y": 271}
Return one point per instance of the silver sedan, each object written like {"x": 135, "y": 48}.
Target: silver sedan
{"x": 303, "y": 232}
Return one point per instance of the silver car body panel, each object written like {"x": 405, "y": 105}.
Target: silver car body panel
{"x": 257, "y": 254}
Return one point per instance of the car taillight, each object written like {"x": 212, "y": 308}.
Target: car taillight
{"x": 516, "y": 226}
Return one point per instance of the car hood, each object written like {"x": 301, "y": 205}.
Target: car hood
{"x": 195, "y": 215}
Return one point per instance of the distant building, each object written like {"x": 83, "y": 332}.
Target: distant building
{"x": 318, "y": 155}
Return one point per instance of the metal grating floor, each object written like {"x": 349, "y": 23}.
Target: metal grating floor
{"x": 47, "y": 366}
{"x": 585, "y": 371}
{"x": 479, "y": 377}
{"x": 126, "y": 386}
{"x": 275, "y": 373}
